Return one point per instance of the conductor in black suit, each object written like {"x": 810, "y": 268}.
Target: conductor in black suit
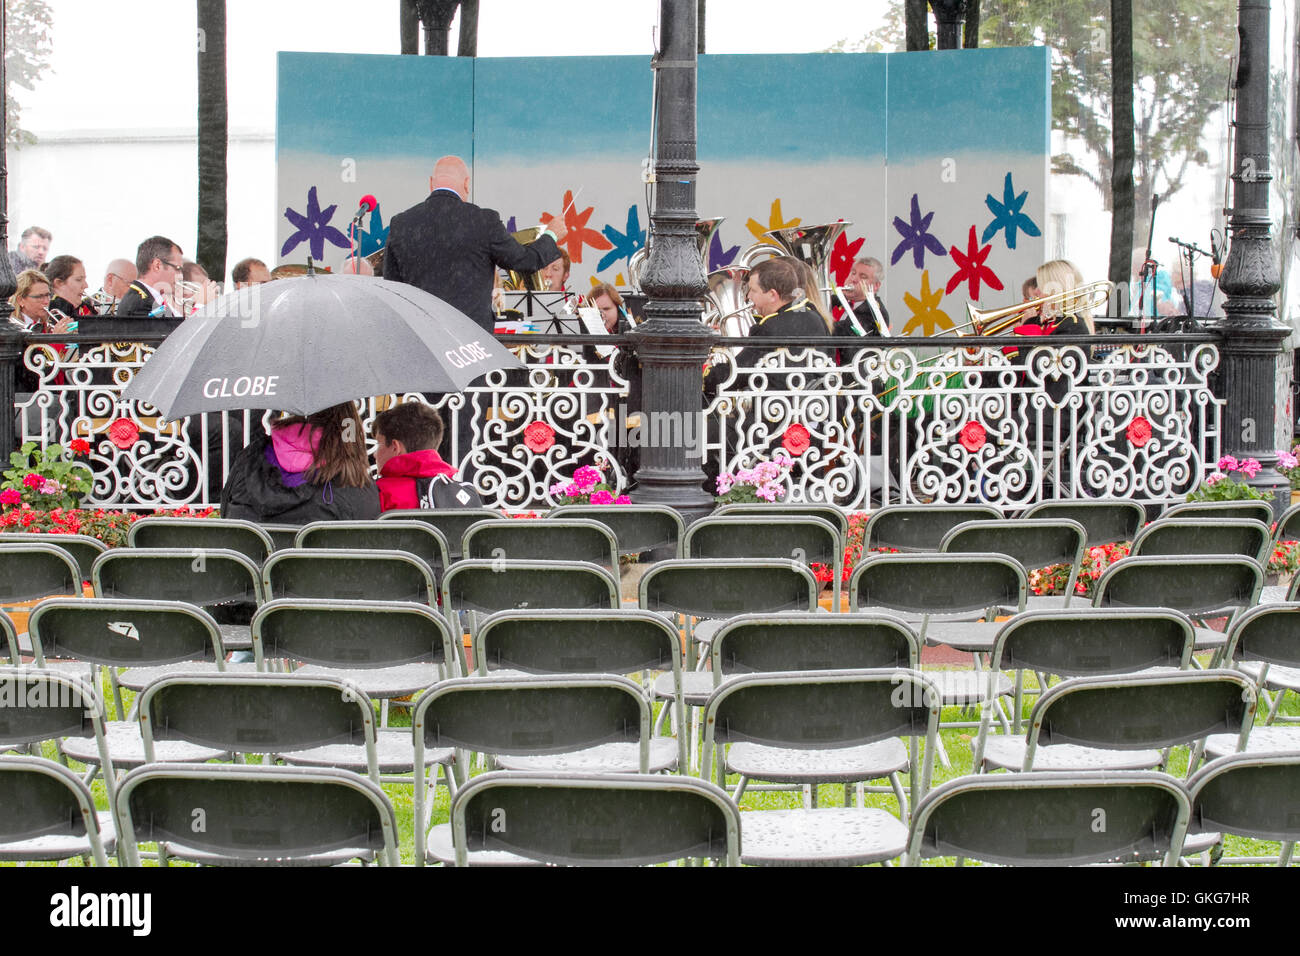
{"x": 451, "y": 248}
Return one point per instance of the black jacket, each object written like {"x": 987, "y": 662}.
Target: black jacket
{"x": 255, "y": 491}
{"x": 136, "y": 303}
{"x": 451, "y": 249}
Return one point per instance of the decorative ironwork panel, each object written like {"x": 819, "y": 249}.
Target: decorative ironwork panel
{"x": 963, "y": 425}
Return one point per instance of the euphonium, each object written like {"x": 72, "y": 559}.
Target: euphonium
{"x": 730, "y": 312}
{"x": 520, "y": 281}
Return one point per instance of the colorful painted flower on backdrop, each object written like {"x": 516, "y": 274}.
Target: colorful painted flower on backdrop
{"x": 313, "y": 228}
{"x": 624, "y": 243}
{"x": 579, "y": 234}
{"x": 372, "y": 240}
{"x": 775, "y": 220}
{"x": 718, "y": 256}
{"x": 842, "y": 255}
{"x": 971, "y": 268}
{"x": 926, "y": 314}
{"x": 1007, "y": 215}
{"x": 917, "y": 237}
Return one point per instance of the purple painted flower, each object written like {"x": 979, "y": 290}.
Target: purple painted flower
{"x": 313, "y": 228}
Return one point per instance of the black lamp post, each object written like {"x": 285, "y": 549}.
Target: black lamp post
{"x": 11, "y": 342}
{"x": 1251, "y": 354}
{"x": 436, "y": 16}
{"x": 672, "y": 344}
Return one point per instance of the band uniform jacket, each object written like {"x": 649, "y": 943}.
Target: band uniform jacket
{"x": 136, "y": 303}
{"x": 451, "y": 248}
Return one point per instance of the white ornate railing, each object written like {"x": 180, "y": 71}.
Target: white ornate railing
{"x": 968, "y": 425}
{"x": 1138, "y": 422}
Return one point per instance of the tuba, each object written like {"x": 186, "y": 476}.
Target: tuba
{"x": 812, "y": 245}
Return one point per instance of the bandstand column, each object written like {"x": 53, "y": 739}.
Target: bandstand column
{"x": 673, "y": 344}
{"x": 1255, "y": 368}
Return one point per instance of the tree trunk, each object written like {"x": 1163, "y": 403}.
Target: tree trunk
{"x": 971, "y": 38}
{"x": 467, "y": 43}
{"x": 409, "y": 27}
{"x": 699, "y": 27}
{"x": 918, "y": 29}
{"x": 210, "y": 249}
{"x": 1121, "y": 135}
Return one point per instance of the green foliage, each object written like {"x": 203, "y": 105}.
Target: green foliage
{"x": 45, "y": 478}
{"x": 28, "y": 24}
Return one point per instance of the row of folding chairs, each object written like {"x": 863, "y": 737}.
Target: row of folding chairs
{"x": 207, "y": 814}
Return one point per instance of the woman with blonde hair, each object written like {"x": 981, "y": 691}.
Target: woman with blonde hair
{"x": 1054, "y": 278}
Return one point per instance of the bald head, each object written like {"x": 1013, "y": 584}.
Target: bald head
{"x": 119, "y": 276}
{"x": 450, "y": 172}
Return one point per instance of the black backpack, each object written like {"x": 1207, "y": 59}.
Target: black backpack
{"x": 443, "y": 493}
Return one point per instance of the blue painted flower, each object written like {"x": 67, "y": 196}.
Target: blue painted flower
{"x": 718, "y": 257}
{"x": 916, "y": 236}
{"x": 314, "y": 228}
{"x": 1007, "y": 215}
{"x": 624, "y": 243}
{"x": 374, "y": 239}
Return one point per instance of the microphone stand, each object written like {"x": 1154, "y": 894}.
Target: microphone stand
{"x": 1188, "y": 252}
{"x": 1148, "y": 270}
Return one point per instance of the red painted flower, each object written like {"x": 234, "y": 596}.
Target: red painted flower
{"x": 842, "y": 256}
{"x": 79, "y": 446}
{"x": 539, "y": 436}
{"x": 1139, "y": 432}
{"x": 123, "y": 433}
{"x": 971, "y": 268}
{"x": 972, "y": 436}
{"x": 579, "y": 234}
{"x": 796, "y": 440}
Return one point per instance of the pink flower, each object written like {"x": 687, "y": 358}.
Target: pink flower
{"x": 1228, "y": 463}
{"x": 622, "y": 500}
{"x": 1286, "y": 460}
{"x": 50, "y": 487}
{"x": 766, "y": 492}
{"x": 725, "y": 481}
{"x": 586, "y": 476}
{"x": 602, "y": 498}
{"x": 1215, "y": 478}
{"x": 10, "y": 496}
{"x": 573, "y": 491}
{"x": 31, "y": 479}
{"x": 1250, "y": 467}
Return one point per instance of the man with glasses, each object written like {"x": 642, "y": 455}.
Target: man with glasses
{"x": 158, "y": 262}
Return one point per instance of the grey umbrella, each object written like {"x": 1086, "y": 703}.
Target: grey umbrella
{"x": 303, "y": 344}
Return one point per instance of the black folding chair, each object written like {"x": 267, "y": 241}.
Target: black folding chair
{"x": 919, "y": 527}
{"x": 1106, "y": 522}
{"x": 1052, "y": 819}
{"x": 1251, "y": 795}
{"x": 47, "y": 813}
{"x": 594, "y": 820}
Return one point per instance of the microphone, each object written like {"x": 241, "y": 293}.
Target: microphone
{"x": 368, "y": 204}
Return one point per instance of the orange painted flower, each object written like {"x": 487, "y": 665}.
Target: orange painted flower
{"x": 579, "y": 234}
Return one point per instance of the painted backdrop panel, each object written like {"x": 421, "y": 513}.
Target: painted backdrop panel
{"x": 783, "y": 140}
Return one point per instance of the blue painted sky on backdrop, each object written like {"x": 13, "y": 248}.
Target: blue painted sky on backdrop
{"x": 354, "y": 105}
{"x": 987, "y": 101}
{"x": 791, "y": 107}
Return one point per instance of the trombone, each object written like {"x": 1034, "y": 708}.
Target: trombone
{"x": 1085, "y": 298}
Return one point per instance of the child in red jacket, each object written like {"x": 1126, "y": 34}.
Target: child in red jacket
{"x": 406, "y": 437}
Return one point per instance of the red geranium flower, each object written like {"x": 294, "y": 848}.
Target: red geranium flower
{"x": 972, "y": 436}
{"x": 123, "y": 433}
{"x": 1139, "y": 432}
{"x": 796, "y": 440}
{"x": 538, "y": 436}
{"x": 79, "y": 446}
